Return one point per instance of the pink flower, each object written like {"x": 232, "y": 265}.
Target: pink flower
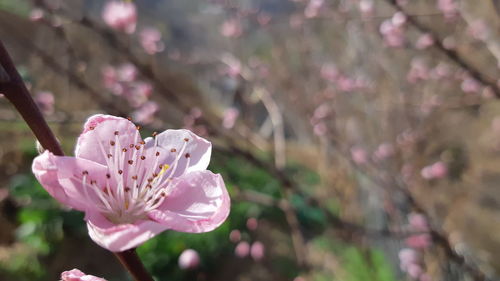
{"x": 418, "y": 222}
{"x": 231, "y": 28}
{"x": 150, "y": 39}
{"x": 437, "y": 170}
{"x": 145, "y": 113}
{"x": 329, "y": 72}
{"x": 36, "y": 14}
{"x": 252, "y": 224}
{"x": 77, "y": 275}
{"x": 45, "y": 100}
{"x": 257, "y": 251}
{"x": 392, "y": 31}
{"x": 359, "y": 155}
{"x": 424, "y": 41}
{"x": 407, "y": 257}
{"x": 242, "y": 249}
{"x": 419, "y": 241}
{"x": 130, "y": 189}
{"x": 384, "y": 151}
{"x": 230, "y": 116}
{"x": 235, "y": 236}
{"x": 448, "y": 8}
{"x": 120, "y": 15}
{"x": 189, "y": 259}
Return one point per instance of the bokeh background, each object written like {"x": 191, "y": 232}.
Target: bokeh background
{"x": 359, "y": 139}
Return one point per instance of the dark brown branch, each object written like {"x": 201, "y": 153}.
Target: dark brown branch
{"x": 16, "y": 92}
{"x": 12, "y": 86}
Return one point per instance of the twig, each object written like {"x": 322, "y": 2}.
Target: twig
{"x": 16, "y": 92}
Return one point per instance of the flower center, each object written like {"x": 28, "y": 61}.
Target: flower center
{"x": 136, "y": 181}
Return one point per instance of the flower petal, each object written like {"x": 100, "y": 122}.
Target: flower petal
{"x": 45, "y": 170}
{"x": 122, "y": 237}
{"x": 198, "y": 202}
{"x": 98, "y": 138}
{"x": 62, "y": 177}
{"x": 181, "y": 144}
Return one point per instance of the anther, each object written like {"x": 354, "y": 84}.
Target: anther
{"x": 129, "y": 119}
{"x": 155, "y": 134}
{"x": 131, "y": 145}
{"x": 161, "y": 166}
{"x": 173, "y": 150}
{"x": 187, "y": 155}
{"x": 85, "y": 173}
{"x": 157, "y": 153}
{"x": 138, "y": 127}
{"x": 150, "y": 179}
{"x": 116, "y": 133}
{"x": 108, "y": 176}
{"x": 143, "y": 157}
{"x": 156, "y": 201}
{"x": 155, "y": 175}
{"x": 186, "y": 139}
{"x": 120, "y": 172}
{"x": 124, "y": 150}
{"x": 109, "y": 155}
{"x": 163, "y": 194}
{"x": 137, "y": 147}
{"x": 91, "y": 128}
{"x": 142, "y": 142}
{"x": 127, "y": 189}
{"x": 130, "y": 162}
{"x": 134, "y": 177}
{"x": 112, "y": 142}
{"x": 93, "y": 182}
{"x": 149, "y": 186}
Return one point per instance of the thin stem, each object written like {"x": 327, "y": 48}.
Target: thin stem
{"x": 14, "y": 89}
{"x": 12, "y": 86}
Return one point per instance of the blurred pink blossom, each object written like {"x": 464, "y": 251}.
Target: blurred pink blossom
{"x": 150, "y": 39}
{"x": 418, "y": 222}
{"x": 77, "y": 275}
{"x": 408, "y": 256}
{"x": 242, "y": 249}
{"x": 359, "y": 155}
{"x": 478, "y": 30}
{"x": 189, "y": 259}
{"x": 252, "y": 224}
{"x": 424, "y": 41}
{"x": 437, "y": 170}
{"x": 418, "y": 71}
{"x": 120, "y": 15}
{"x": 392, "y": 34}
{"x": 414, "y": 270}
{"x": 329, "y": 72}
{"x": 449, "y": 8}
{"x": 230, "y": 116}
{"x": 384, "y": 151}
{"x": 312, "y": 8}
{"x": 36, "y": 14}
{"x": 419, "y": 241}
{"x": 398, "y": 19}
{"x": 425, "y": 277}
{"x": 366, "y": 7}
{"x": 257, "y": 251}
{"x": 45, "y": 101}
{"x": 320, "y": 129}
{"x": 470, "y": 85}
{"x": 235, "y": 236}
{"x": 145, "y": 113}
{"x": 231, "y": 28}
{"x": 263, "y": 18}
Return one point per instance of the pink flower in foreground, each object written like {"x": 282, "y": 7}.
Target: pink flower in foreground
{"x": 120, "y": 15}
{"x": 77, "y": 275}
{"x": 189, "y": 259}
{"x": 130, "y": 189}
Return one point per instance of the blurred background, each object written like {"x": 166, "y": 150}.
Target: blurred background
{"x": 359, "y": 139}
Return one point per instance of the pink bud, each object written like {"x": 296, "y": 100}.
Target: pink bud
{"x": 359, "y": 155}
{"x": 242, "y": 249}
{"x": 189, "y": 259}
{"x": 424, "y": 41}
{"x": 120, "y": 15}
{"x": 230, "y": 116}
{"x": 419, "y": 241}
{"x": 418, "y": 222}
{"x": 252, "y": 223}
{"x": 45, "y": 100}
{"x": 257, "y": 251}
{"x": 235, "y": 236}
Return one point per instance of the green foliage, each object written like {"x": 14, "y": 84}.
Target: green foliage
{"x": 18, "y": 7}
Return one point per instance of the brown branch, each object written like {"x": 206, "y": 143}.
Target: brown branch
{"x": 16, "y": 92}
